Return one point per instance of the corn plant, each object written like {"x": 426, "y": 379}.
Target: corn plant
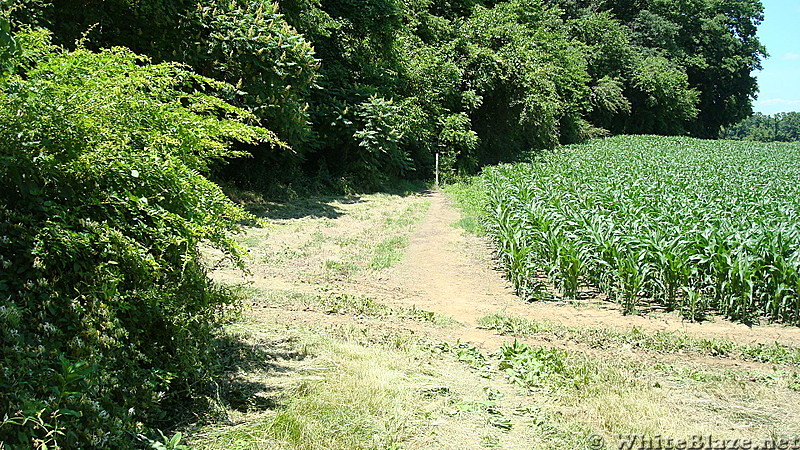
{"x": 697, "y": 226}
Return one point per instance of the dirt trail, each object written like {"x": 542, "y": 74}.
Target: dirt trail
{"x": 448, "y": 272}
{"x": 444, "y": 276}
{"x": 318, "y": 273}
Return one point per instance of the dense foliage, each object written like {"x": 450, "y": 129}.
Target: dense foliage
{"x": 106, "y": 313}
{"x": 781, "y": 127}
{"x": 695, "y": 225}
{"x": 390, "y": 83}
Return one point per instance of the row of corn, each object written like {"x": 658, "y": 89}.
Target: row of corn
{"x": 696, "y": 226}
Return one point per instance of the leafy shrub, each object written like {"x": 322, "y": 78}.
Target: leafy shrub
{"x": 248, "y": 43}
{"x": 531, "y": 78}
{"x": 244, "y": 42}
{"x": 106, "y": 311}
{"x": 8, "y": 45}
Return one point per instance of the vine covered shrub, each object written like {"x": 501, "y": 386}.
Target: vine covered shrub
{"x": 106, "y": 312}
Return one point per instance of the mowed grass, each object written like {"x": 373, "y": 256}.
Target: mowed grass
{"x": 329, "y": 240}
{"x": 323, "y": 359}
{"x": 697, "y": 226}
{"x": 578, "y": 394}
{"x": 316, "y": 364}
{"x": 655, "y": 341}
{"x": 350, "y": 397}
{"x": 342, "y": 304}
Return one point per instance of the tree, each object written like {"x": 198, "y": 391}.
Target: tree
{"x": 527, "y": 74}
{"x": 662, "y": 99}
{"x": 246, "y": 43}
{"x": 719, "y": 48}
{"x": 713, "y": 42}
{"x": 781, "y": 127}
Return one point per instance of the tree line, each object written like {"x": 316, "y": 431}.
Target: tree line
{"x": 780, "y": 127}
{"x": 373, "y": 89}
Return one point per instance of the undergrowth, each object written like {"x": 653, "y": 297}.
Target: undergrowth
{"x": 658, "y": 341}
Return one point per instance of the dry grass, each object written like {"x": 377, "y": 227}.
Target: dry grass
{"x": 312, "y": 365}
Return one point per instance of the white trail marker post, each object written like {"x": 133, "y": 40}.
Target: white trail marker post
{"x": 437, "y": 169}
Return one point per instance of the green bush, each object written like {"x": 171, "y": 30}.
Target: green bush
{"x": 106, "y": 312}
{"x": 246, "y": 43}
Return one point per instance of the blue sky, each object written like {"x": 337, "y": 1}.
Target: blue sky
{"x": 779, "y": 81}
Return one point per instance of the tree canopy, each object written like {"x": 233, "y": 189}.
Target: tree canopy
{"x": 372, "y": 89}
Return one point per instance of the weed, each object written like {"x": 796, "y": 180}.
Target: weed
{"x": 470, "y": 198}
{"x": 388, "y": 252}
{"x": 659, "y": 341}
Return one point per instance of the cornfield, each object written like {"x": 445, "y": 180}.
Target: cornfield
{"x": 696, "y": 226}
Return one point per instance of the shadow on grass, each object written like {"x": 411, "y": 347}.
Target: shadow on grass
{"x": 240, "y": 359}
{"x": 305, "y": 207}
{"x": 322, "y": 204}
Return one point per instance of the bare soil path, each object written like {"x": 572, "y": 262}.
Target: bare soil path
{"x": 450, "y": 273}
{"x": 354, "y": 282}
{"x": 443, "y": 271}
